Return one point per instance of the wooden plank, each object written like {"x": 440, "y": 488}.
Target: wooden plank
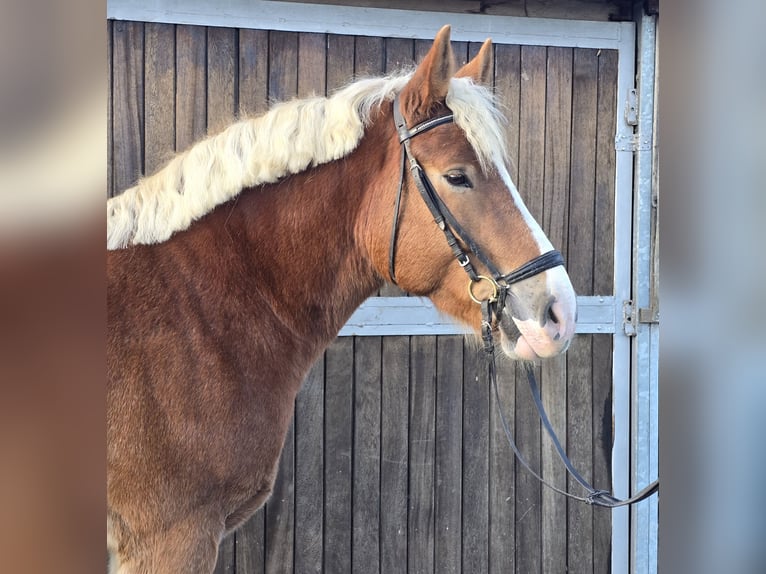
{"x": 368, "y": 57}
{"x": 399, "y": 55}
{"x": 283, "y": 66}
{"x": 502, "y": 497}
{"x": 602, "y": 448}
{"x": 309, "y": 418}
{"x": 250, "y": 544}
{"x": 475, "y": 461}
{"x": 603, "y": 282}
{"x": 312, "y": 65}
{"x": 420, "y": 530}
{"x": 253, "y": 72}
{"x": 502, "y": 463}
{"x": 280, "y": 512}
{"x": 558, "y": 133}
{"x": 365, "y": 549}
{"x": 159, "y": 98}
{"x": 449, "y": 454}
{"x": 191, "y": 81}
{"x": 109, "y": 115}
{"x": 280, "y": 536}
{"x": 128, "y": 103}
{"x": 581, "y": 249}
{"x": 339, "y": 416}
{"x": 603, "y": 261}
{"x": 221, "y": 78}
{"x": 340, "y": 61}
{"x": 394, "y": 453}
{"x": 309, "y": 471}
{"x": 532, "y": 98}
{"x": 226, "y": 557}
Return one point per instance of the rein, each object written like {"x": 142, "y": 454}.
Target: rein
{"x": 491, "y": 307}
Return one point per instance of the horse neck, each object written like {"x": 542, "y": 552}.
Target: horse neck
{"x": 303, "y": 243}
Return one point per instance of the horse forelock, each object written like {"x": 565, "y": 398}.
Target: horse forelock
{"x": 290, "y": 138}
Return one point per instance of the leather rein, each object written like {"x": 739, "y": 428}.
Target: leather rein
{"x": 492, "y": 306}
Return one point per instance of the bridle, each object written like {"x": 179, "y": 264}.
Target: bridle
{"x": 493, "y": 305}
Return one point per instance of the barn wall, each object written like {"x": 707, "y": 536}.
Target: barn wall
{"x": 396, "y": 460}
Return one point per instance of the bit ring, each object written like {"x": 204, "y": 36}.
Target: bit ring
{"x": 479, "y": 279}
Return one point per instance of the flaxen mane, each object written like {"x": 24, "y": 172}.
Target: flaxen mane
{"x": 288, "y": 139}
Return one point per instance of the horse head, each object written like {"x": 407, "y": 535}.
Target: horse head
{"x": 451, "y": 133}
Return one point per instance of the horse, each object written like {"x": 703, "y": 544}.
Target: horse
{"x": 232, "y": 268}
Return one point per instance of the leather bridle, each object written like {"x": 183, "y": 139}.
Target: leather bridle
{"x": 493, "y": 305}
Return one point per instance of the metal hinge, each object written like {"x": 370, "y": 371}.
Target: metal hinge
{"x": 629, "y": 318}
{"x": 631, "y": 108}
{"x": 631, "y": 141}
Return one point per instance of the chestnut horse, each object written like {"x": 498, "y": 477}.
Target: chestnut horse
{"x": 232, "y": 268}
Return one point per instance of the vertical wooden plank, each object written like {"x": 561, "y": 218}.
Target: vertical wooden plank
{"x": 283, "y": 66}
{"x": 280, "y": 511}
{"x": 253, "y": 72}
{"x": 312, "y": 65}
{"x": 226, "y": 556}
{"x": 159, "y": 76}
{"x": 527, "y": 426}
{"x": 339, "y": 402}
{"x": 309, "y": 471}
{"x": 394, "y": 454}
{"x": 339, "y": 385}
{"x": 399, "y": 55}
{"x": 340, "y": 61}
{"x": 449, "y": 451}
{"x": 558, "y": 133}
{"x": 222, "y": 59}
{"x": 581, "y": 252}
{"x": 368, "y": 57}
{"x": 420, "y": 531}
{"x": 309, "y": 409}
{"x": 476, "y": 419}
{"x": 110, "y": 96}
{"x": 502, "y": 464}
{"x": 475, "y": 461}
{"x": 603, "y": 261}
{"x": 603, "y": 282}
{"x": 502, "y": 497}
{"x": 191, "y": 82}
{"x": 365, "y": 550}
{"x": 128, "y": 103}
{"x": 250, "y": 545}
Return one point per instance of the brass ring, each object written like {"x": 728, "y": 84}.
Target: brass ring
{"x": 491, "y": 281}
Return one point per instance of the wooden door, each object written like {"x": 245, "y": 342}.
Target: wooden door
{"x": 396, "y": 461}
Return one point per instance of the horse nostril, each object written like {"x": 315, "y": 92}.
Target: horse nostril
{"x": 549, "y": 314}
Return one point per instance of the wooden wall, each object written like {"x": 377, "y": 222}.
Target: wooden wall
{"x": 396, "y": 460}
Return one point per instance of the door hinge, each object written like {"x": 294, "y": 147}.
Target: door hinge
{"x": 628, "y": 318}
{"x": 631, "y": 317}
{"x": 631, "y": 108}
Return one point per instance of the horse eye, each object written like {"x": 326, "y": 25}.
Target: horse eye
{"x": 458, "y": 179}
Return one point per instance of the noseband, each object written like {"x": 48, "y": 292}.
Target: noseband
{"x": 493, "y": 305}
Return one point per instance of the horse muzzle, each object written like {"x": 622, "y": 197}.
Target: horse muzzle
{"x": 539, "y": 316}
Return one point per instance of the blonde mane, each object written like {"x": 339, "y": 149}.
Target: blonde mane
{"x": 288, "y": 139}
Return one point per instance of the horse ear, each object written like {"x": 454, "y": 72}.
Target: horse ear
{"x": 480, "y": 68}
{"x": 430, "y": 82}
